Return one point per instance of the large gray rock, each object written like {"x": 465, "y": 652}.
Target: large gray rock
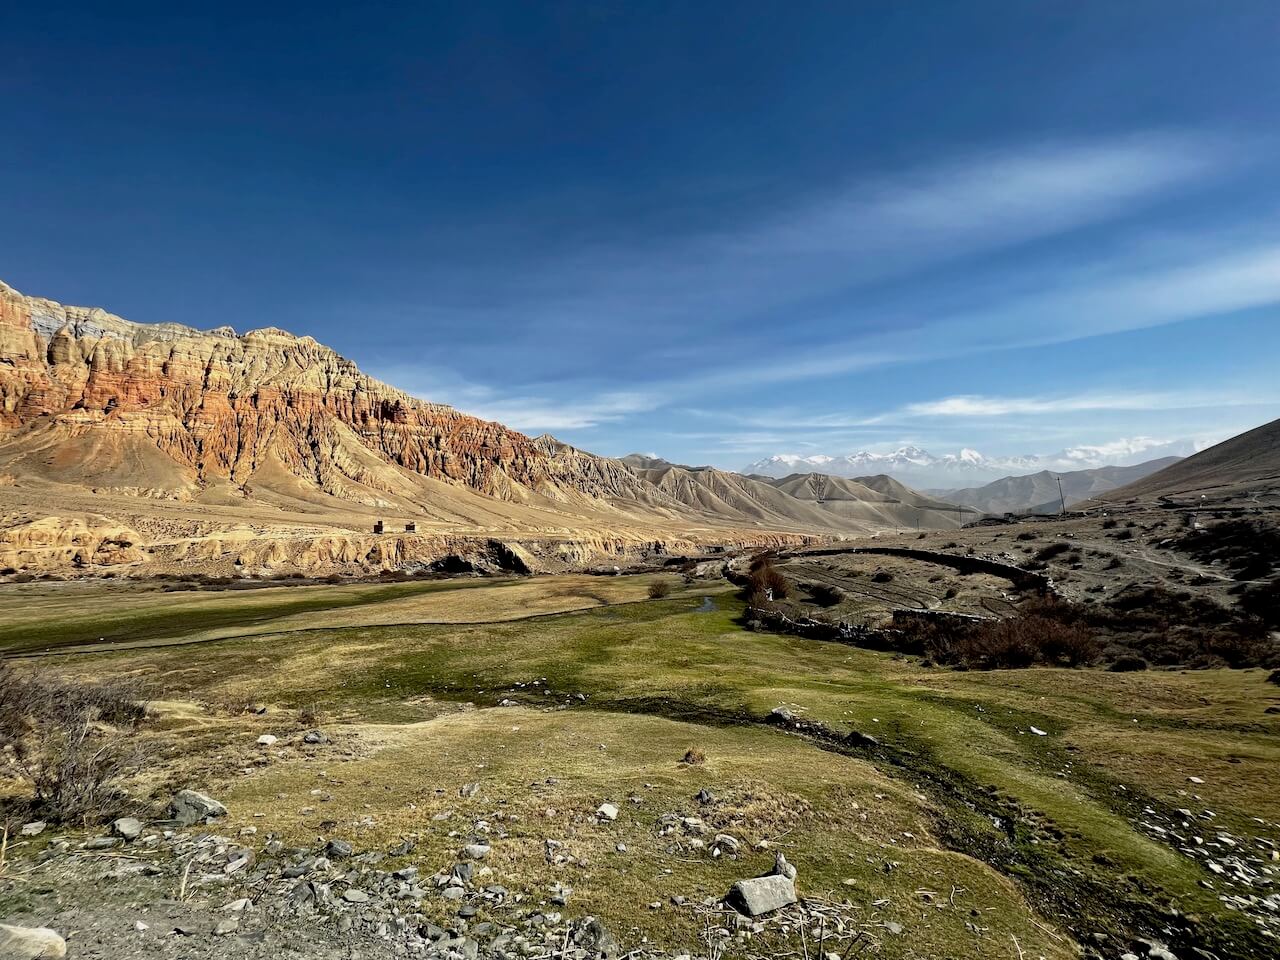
{"x": 761, "y": 895}
{"x": 127, "y": 827}
{"x": 189, "y": 807}
{"x": 30, "y": 943}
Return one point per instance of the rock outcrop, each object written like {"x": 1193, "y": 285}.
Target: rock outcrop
{"x": 224, "y": 406}
{"x": 149, "y": 447}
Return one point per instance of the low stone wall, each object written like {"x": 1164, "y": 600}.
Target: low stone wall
{"x": 853, "y": 634}
{"x": 1023, "y": 579}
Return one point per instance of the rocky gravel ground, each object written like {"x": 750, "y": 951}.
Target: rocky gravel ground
{"x": 179, "y": 888}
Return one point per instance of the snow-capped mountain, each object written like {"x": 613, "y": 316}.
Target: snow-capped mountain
{"x": 919, "y": 468}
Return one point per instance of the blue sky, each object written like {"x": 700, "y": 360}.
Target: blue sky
{"x": 712, "y": 231}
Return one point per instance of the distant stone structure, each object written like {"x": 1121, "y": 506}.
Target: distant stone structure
{"x": 410, "y": 527}
{"x": 379, "y": 527}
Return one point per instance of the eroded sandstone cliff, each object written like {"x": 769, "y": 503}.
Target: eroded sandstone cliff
{"x": 222, "y": 405}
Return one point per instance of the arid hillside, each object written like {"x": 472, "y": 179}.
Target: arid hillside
{"x": 126, "y": 445}
{"x": 1247, "y": 465}
{"x": 1039, "y": 492}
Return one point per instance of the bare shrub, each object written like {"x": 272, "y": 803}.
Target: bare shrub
{"x": 694, "y": 756}
{"x": 1052, "y": 550}
{"x": 1042, "y": 632}
{"x": 1127, "y": 663}
{"x": 72, "y": 743}
{"x": 825, "y": 595}
{"x": 659, "y": 589}
{"x": 311, "y": 715}
{"x": 766, "y": 583}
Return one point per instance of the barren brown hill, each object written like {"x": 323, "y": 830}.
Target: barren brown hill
{"x": 880, "y": 500}
{"x": 721, "y": 493}
{"x": 1038, "y": 492}
{"x": 158, "y": 446}
{"x": 1245, "y": 465}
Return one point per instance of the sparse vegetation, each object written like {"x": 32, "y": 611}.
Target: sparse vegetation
{"x": 765, "y": 585}
{"x": 826, "y": 595}
{"x": 1047, "y": 553}
{"x": 659, "y": 589}
{"x": 1038, "y": 634}
{"x": 1249, "y": 548}
{"x": 72, "y": 744}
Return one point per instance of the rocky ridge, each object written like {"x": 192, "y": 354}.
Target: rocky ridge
{"x": 222, "y": 405}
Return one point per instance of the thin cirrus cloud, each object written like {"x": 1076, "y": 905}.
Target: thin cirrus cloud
{"x": 830, "y": 240}
{"x": 984, "y": 406}
{"x": 1085, "y": 302}
{"x": 874, "y": 228}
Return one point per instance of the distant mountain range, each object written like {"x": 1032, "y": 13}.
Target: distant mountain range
{"x": 967, "y": 468}
{"x": 161, "y": 447}
{"x": 1038, "y": 492}
{"x": 808, "y": 500}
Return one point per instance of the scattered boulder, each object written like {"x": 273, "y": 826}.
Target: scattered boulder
{"x": 268, "y": 740}
{"x": 314, "y": 737}
{"x": 33, "y": 829}
{"x": 761, "y": 895}
{"x": 591, "y": 935}
{"x": 723, "y": 844}
{"x": 189, "y": 807}
{"x": 475, "y": 851}
{"x": 338, "y": 849}
{"x": 30, "y": 943}
{"x": 127, "y": 827}
{"x": 782, "y": 868}
{"x": 226, "y": 927}
{"x": 856, "y": 738}
{"x": 607, "y": 811}
{"x": 781, "y": 715}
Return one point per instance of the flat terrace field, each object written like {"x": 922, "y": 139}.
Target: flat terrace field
{"x": 961, "y": 832}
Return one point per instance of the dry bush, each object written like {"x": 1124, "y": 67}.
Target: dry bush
{"x": 694, "y": 756}
{"x": 1052, "y": 550}
{"x": 311, "y": 715}
{"x": 659, "y": 589}
{"x": 766, "y": 583}
{"x": 1249, "y": 548}
{"x": 72, "y": 743}
{"x": 1263, "y": 601}
{"x": 1044, "y": 631}
{"x": 825, "y": 595}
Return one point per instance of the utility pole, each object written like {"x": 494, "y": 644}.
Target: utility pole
{"x": 1060, "y": 495}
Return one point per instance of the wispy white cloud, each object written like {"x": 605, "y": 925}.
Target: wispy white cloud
{"x": 542, "y": 414}
{"x": 975, "y": 406}
{"x": 1084, "y": 302}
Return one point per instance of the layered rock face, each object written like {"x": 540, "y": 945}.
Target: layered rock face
{"x": 222, "y": 405}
